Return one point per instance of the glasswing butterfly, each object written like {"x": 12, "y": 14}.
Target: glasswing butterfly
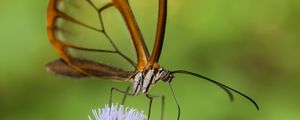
{"x": 147, "y": 70}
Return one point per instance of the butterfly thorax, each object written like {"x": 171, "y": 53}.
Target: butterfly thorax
{"x": 142, "y": 81}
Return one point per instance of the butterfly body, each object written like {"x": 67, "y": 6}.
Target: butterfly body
{"x": 143, "y": 81}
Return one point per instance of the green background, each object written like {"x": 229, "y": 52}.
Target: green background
{"x": 250, "y": 45}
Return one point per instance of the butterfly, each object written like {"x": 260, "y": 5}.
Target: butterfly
{"x": 148, "y": 71}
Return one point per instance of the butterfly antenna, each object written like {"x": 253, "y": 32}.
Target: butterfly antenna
{"x": 217, "y": 83}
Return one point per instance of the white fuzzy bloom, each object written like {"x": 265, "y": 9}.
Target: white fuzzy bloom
{"x": 116, "y": 112}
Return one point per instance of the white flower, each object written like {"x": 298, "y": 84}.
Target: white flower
{"x": 116, "y": 112}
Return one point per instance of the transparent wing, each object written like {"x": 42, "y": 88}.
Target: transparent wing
{"x": 89, "y": 30}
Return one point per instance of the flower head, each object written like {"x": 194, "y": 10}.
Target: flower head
{"x": 116, "y": 112}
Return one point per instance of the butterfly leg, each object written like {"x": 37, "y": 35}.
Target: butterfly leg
{"x": 151, "y": 97}
{"x": 125, "y": 96}
{"x": 126, "y": 93}
{"x": 177, "y": 104}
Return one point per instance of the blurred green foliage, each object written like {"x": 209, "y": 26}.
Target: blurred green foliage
{"x": 250, "y": 45}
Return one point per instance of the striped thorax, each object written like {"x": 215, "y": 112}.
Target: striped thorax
{"x": 142, "y": 81}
